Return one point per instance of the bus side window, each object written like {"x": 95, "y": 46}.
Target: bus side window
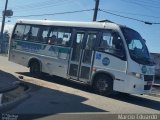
{"x": 28, "y": 35}
{"x": 112, "y": 43}
{"x": 60, "y": 36}
{"x": 43, "y": 34}
{"x": 34, "y": 33}
{"x": 52, "y": 37}
{"x": 27, "y": 32}
{"x": 66, "y": 39}
{"x": 117, "y": 45}
{"x": 18, "y": 32}
{"x": 91, "y": 39}
{"x": 63, "y": 37}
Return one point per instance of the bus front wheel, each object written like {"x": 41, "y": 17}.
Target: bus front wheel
{"x": 35, "y": 69}
{"x": 103, "y": 85}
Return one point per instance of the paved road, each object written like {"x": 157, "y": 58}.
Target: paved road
{"x": 52, "y": 96}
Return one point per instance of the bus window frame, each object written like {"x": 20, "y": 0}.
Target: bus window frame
{"x": 51, "y": 26}
{"x": 73, "y": 31}
{"x": 86, "y": 32}
{"x": 61, "y": 27}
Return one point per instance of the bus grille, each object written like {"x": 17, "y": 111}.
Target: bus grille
{"x": 148, "y": 77}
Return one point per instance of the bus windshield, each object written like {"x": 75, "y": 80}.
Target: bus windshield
{"x": 137, "y": 47}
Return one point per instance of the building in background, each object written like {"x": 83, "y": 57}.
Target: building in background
{"x": 5, "y": 42}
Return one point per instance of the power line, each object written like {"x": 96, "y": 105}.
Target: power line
{"x": 141, "y": 4}
{"x": 132, "y": 13}
{"x": 102, "y": 10}
{"x": 38, "y": 6}
{"x": 155, "y": 1}
{"x": 146, "y": 22}
{"x": 145, "y": 2}
{"x": 60, "y": 13}
{"x": 34, "y": 4}
{"x": 150, "y": 2}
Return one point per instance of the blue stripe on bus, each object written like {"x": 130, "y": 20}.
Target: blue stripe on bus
{"x": 35, "y": 47}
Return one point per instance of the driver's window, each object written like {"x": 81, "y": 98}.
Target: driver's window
{"x": 112, "y": 43}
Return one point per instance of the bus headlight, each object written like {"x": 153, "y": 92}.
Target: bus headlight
{"x": 137, "y": 75}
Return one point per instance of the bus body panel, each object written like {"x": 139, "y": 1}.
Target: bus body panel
{"x": 54, "y": 59}
{"x": 140, "y": 84}
{"x": 114, "y": 66}
{"x": 120, "y": 72}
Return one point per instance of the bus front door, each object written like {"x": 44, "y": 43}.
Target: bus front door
{"x": 81, "y": 56}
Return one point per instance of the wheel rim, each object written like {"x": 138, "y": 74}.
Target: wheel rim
{"x": 34, "y": 68}
{"x": 102, "y": 85}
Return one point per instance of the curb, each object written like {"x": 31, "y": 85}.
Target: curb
{"x": 155, "y": 95}
{"x": 156, "y": 86}
{"x": 4, "y": 54}
{"x": 13, "y": 86}
{"x": 9, "y": 105}
{"x": 13, "y": 103}
{"x": 8, "y": 89}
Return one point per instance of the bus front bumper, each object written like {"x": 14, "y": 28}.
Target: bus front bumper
{"x": 133, "y": 86}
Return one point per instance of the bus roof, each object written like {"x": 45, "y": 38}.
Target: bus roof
{"x": 102, "y": 25}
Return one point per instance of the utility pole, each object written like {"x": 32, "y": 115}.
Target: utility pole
{"x": 3, "y": 22}
{"x": 96, "y": 10}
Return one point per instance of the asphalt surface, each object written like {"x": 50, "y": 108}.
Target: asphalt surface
{"x": 51, "y": 97}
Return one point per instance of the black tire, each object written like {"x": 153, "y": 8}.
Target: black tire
{"x": 35, "y": 69}
{"x": 103, "y": 85}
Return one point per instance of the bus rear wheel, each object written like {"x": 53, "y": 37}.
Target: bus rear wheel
{"x": 103, "y": 85}
{"x": 35, "y": 69}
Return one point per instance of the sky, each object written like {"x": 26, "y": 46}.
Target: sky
{"x": 145, "y": 10}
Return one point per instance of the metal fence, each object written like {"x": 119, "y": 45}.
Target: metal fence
{"x": 4, "y": 46}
